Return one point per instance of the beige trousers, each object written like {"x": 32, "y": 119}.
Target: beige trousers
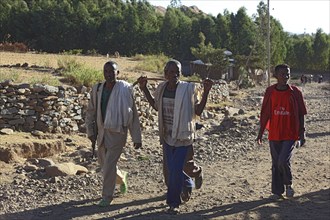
{"x": 108, "y": 156}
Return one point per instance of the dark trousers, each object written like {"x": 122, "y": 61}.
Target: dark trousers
{"x": 281, "y": 152}
{"x": 191, "y": 168}
{"x": 177, "y": 179}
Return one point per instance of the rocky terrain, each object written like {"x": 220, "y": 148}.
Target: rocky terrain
{"x": 237, "y": 172}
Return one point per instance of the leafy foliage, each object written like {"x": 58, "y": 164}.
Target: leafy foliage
{"x": 77, "y": 74}
{"x": 152, "y": 63}
{"x": 135, "y": 27}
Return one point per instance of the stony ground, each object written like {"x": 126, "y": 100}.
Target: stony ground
{"x": 237, "y": 173}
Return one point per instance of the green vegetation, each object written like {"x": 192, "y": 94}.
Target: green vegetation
{"x": 135, "y": 27}
{"x": 191, "y": 78}
{"x": 6, "y": 75}
{"x": 74, "y": 52}
{"x": 151, "y": 63}
{"x": 28, "y": 76}
{"x": 78, "y": 74}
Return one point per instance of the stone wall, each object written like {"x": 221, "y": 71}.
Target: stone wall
{"x": 26, "y": 107}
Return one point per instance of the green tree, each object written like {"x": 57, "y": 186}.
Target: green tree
{"x": 149, "y": 29}
{"x": 222, "y": 31}
{"x": 175, "y": 3}
{"x": 243, "y": 32}
{"x": 277, "y": 42}
{"x": 303, "y": 51}
{"x": 130, "y": 29}
{"x": 321, "y": 47}
{"x": 208, "y": 54}
{"x": 169, "y": 33}
{"x": 290, "y": 42}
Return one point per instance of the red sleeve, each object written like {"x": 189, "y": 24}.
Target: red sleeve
{"x": 266, "y": 109}
{"x": 300, "y": 100}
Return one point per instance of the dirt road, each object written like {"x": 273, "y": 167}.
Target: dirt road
{"x": 236, "y": 185}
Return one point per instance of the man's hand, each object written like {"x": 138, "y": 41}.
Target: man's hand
{"x": 92, "y": 138}
{"x": 142, "y": 80}
{"x": 302, "y": 142}
{"x": 207, "y": 83}
{"x": 259, "y": 139}
{"x": 302, "y": 137}
{"x": 137, "y": 145}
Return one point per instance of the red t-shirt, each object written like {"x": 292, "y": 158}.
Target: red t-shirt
{"x": 282, "y": 121}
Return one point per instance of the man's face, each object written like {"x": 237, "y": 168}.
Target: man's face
{"x": 283, "y": 76}
{"x": 172, "y": 73}
{"x": 110, "y": 72}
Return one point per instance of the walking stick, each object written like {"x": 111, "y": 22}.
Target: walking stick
{"x": 190, "y": 81}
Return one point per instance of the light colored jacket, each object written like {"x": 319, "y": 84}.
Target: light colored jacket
{"x": 121, "y": 113}
{"x": 184, "y": 111}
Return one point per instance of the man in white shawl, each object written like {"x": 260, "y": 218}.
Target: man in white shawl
{"x": 177, "y": 105}
{"x": 112, "y": 109}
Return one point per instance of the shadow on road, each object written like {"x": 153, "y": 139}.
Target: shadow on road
{"x": 315, "y": 205}
{"x": 317, "y": 134}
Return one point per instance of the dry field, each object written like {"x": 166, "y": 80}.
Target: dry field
{"x": 237, "y": 172}
{"x": 51, "y": 60}
{"x": 127, "y": 66}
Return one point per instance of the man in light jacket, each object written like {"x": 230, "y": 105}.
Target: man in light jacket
{"x": 112, "y": 109}
{"x": 177, "y": 105}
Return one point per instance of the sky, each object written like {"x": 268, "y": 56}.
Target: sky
{"x": 295, "y": 16}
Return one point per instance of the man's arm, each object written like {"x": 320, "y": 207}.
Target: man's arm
{"x": 302, "y": 112}
{"x": 143, "y": 86}
{"x": 302, "y": 134}
{"x": 134, "y": 128}
{"x": 90, "y": 119}
{"x": 207, "y": 83}
{"x": 264, "y": 115}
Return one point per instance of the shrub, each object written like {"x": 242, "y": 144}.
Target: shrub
{"x": 151, "y": 63}
{"x": 73, "y": 52}
{"x": 14, "y": 47}
{"x": 77, "y": 74}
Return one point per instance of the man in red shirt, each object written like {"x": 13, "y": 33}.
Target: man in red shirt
{"x": 282, "y": 114}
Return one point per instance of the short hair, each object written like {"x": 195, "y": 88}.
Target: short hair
{"x": 279, "y": 67}
{"x": 173, "y": 62}
{"x": 113, "y": 64}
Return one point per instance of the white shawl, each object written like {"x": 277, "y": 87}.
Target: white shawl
{"x": 119, "y": 109}
{"x": 184, "y": 112}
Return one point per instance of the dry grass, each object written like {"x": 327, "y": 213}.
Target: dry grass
{"x": 18, "y": 75}
{"x": 127, "y": 65}
{"x": 50, "y": 60}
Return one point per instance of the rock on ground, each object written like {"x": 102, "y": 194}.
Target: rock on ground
{"x": 236, "y": 173}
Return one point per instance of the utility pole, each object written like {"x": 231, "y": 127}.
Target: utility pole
{"x": 268, "y": 43}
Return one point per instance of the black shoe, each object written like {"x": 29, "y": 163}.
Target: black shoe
{"x": 186, "y": 193}
{"x": 277, "y": 197}
{"x": 199, "y": 126}
{"x": 199, "y": 180}
{"x": 173, "y": 210}
{"x": 289, "y": 191}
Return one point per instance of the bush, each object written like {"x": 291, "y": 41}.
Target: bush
{"x": 151, "y": 63}
{"x": 77, "y": 74}
{"x": 14, "y": 47}
{"x": 73, "y": 52}
{"x": 244, "y": 80}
